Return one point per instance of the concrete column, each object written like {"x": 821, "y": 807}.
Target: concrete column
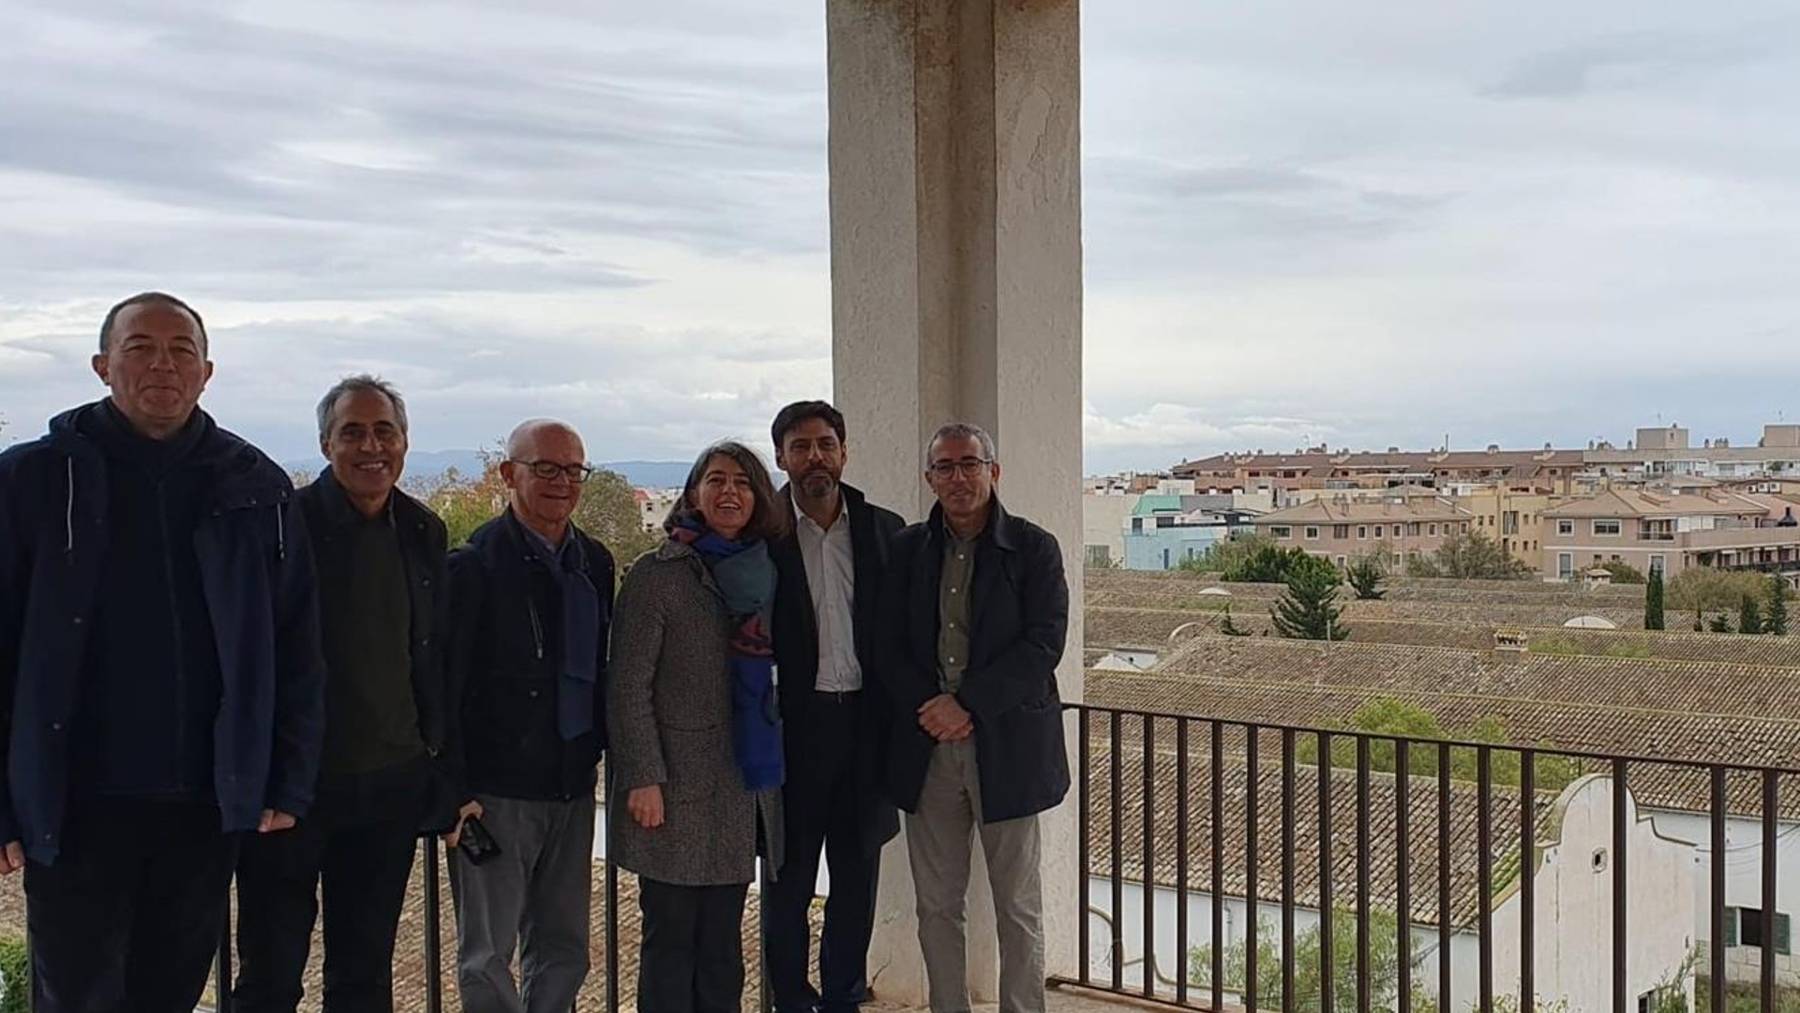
{"x": 956, "y": 295}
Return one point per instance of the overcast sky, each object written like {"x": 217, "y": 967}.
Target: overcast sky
{"x": 1368, "y": 225}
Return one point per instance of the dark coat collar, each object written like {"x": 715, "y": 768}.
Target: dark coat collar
{"x": 998, "y": 533}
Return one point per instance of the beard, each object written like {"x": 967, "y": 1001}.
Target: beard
{"x": 818, "y": 483}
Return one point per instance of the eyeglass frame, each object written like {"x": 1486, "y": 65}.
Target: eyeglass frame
{"x": 576, "y": 473}
{"x": 967, "y": 467}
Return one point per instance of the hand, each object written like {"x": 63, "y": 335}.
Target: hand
{"x": 470, "y": 809}
{"x": 646, "y": 806}
{"x": 945, "y": 720}
{"x": 12, "y": 859}
{"x": 275, "y": 821}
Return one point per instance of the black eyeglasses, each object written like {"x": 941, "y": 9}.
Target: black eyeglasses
{"x": 548, "y": 470}
{"x": 968, "y": 467}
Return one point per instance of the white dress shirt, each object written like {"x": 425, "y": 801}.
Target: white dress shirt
{"x": 830, "y": 562}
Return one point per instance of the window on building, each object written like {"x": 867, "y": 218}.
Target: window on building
{"x": 1413, "y": 529}
{"x": 1465, "y": 527}
{"x": 1378, "y": 531}
{"x": 1433, "y": 529}
{"x": 1565, "y": 565}
{"x": 1744, "y": 927}
{"x": 1340, "y": 531}
{"x": 1281, "y": 531}
{"x": 1099, "y": 555}
{"x": 1658, "y": 565}
{"x": 1312, "y": 534}
{"x": 1565, "y": 527}
{"x": 1362, "y": 531}
{"x": 1603, "y": 528}
{"x": 1340, "y": 563}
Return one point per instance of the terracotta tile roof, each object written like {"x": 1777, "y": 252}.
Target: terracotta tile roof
{"x": 1237, "y": 799}
{"x": 1356, "y": 511}
{"x": 1630, "y": 502}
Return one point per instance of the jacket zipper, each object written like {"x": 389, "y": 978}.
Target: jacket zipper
{"x": 537, "y": 628}
{"x": 181, "y": 730}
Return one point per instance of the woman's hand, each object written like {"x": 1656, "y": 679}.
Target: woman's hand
{"x": 646, "y": 806}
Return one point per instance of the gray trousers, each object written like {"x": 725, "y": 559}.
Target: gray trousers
{"x": 533, "y": 898}
{"x": 938, "y": 843}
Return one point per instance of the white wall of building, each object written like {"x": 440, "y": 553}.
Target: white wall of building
{"x": 1743, "y": 882}
{"x": 1103, "y": 521}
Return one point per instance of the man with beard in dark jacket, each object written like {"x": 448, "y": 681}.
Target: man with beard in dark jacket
{"x": 159, "y": 656}
{"x": 834, "y": 714}
{"x": 531, "y": 600}
{"x": 384, "y": 611}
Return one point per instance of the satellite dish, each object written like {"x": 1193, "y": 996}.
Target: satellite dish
{"x": 1214, "y": 592}
{"x": 1590, "y": 623}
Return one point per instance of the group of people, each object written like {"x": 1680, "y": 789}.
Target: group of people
{"x": 208, "y": 674}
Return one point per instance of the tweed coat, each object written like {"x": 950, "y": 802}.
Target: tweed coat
{"x": 669, "y": 724}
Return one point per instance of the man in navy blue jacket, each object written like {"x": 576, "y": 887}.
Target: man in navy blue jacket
{"x": 160, "y": 671}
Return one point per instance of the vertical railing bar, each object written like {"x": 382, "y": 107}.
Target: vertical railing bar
{"x": 612, "y": 923}
{"x": 1716, "y": 948}
{"x": 1621, "y": 999}
{"x": 434, "y": 941}
{"x": 1362, "y": 874}
{"x": 1327, "y": 963}
{"x": 1252, "y": 874}
{"x": 222, "y": 1001}
{"x": 1083, "y": 814}
{"x": 1403, "y": 874}
{"x": 1484, "y": 877}
{"x": 1287, "y": 870}
{"x": 1115, "y": 828}
{"x": 1218, "y": 867}
{"x": 1445, "y": 914}
{"x": 1527, "y": 880}
{"x": 1181, "y": 860}
{"x": 1771, "y": 803}
{"x": 1149, "y": 888}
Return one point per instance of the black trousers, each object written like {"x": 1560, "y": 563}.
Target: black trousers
{"x": 128, "y": 918}
{"x": 357, "y": 844}
{"x": 823, "y": 807}
{"x": 693, "y": 949}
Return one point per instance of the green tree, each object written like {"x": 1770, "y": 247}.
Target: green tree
{"x": 609, "y": 512}
{"x": 1388, "y": 718}
{"x": 1719, "y": 624}
{"x": 1226, "y": 556}
{"x": 1623, "y": 572}
{"x": 1653, "y": 602}
{"x": 1366, "y": 574}
{"x": 15, "y": 975}
{"x": 1270, "y": 564}
{"x": 464, "y": 504}
{"x": 1308, "y": 609}
{"x": 1702, "y": 589}
{"x": 1778, "y": 611}
{"x": 1749, "y": 616}
{"x": 1384, "y": 964}
{"x": 1473, "y": 556}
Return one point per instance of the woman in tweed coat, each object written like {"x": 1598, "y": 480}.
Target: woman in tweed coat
{"x": 678, "y": 808}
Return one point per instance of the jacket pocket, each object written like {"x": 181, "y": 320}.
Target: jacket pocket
{"x": 698, "y": 762}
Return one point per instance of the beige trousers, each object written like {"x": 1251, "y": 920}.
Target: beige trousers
{"x": 938, "y": 841}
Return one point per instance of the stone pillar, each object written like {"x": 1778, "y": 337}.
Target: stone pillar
{"x": 956, "y": 295}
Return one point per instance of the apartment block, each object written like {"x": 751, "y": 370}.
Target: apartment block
{"x": 1670, "y": 530}
{"x": 1341, "y": 528}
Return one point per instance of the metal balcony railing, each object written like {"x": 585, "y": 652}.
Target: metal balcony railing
{"x": 1204, "y": 849}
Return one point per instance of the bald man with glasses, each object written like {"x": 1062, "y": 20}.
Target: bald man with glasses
{"x": 531, "y": 603}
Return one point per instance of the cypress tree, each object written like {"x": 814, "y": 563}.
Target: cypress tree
{"x": 1653, "y": 602}
{"x": 1778, "y": 612}
{"x": 1749, "y": 616}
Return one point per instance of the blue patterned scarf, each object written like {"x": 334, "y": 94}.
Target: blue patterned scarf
{"x": 745, "y": 576}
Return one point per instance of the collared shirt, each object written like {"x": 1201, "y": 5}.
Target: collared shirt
{"x": 953, "y": 609}
{"x": 830, "y": 559}
{"x": 365, "y": 621}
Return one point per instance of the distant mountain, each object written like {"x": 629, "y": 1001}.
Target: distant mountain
{"x": 430, "y": 465}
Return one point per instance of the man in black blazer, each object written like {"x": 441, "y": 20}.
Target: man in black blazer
{"x": 975, "y": 613}
{"x": 834, "y": 715}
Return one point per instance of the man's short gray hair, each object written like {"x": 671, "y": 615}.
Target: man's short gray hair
{"x": 352, "y": 384}
{"x": 963, "y": 431}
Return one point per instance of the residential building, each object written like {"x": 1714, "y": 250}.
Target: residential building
{"x": 1165, "y": 530}
{"x": 1512, "y": 516}
{"x": 1341, "y": 528}
{"x": 1548, "y": 470}
{"x": 1667, "y": 450}
{"x": 1671, "y": 529}
{"x": 1104, "y": 517}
